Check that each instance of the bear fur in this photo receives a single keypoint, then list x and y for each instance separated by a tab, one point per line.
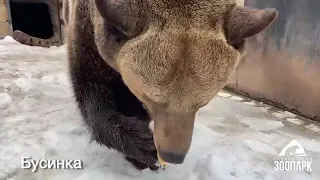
131	62
114	116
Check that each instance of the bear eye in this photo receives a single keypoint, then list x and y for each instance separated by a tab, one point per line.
121	16
108	10
116	35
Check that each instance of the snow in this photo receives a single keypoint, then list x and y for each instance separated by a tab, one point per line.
5	100
261	124
252	103
295	121
284	114
39	119
236	98
224	94
313	127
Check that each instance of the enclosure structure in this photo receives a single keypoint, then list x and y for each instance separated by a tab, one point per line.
282	65
34	22
5	27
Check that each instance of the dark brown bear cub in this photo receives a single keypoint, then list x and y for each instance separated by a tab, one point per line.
132	61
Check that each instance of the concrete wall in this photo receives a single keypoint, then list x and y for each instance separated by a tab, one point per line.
5	28
55	8
282	64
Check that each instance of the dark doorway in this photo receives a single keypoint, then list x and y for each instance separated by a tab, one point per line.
33	19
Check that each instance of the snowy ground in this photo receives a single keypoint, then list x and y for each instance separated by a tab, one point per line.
234	138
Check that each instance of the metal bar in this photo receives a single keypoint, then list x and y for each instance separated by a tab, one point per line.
9	17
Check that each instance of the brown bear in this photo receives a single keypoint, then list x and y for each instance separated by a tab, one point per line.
133	61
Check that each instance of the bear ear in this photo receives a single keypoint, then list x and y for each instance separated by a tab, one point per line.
243	22
110	10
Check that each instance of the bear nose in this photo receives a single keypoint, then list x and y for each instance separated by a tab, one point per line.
172	157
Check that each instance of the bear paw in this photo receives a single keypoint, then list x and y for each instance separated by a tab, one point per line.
139	147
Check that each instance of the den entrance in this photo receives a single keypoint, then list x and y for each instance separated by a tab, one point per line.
33	19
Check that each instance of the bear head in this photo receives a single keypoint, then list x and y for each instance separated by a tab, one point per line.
175	56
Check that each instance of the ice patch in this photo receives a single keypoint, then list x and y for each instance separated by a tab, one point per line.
261	124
